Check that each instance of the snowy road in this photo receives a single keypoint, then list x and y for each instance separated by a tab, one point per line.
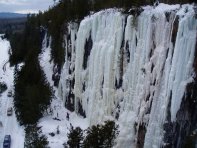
10	124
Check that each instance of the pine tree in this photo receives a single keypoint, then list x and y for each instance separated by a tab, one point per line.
34	137
109	132
75	137
101	136
93	138
32	93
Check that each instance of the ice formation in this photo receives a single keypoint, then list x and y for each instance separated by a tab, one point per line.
130	68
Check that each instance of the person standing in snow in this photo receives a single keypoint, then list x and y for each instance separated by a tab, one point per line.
58	131
67	116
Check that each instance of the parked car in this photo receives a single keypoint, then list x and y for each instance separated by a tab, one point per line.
9	111
7	141
9	93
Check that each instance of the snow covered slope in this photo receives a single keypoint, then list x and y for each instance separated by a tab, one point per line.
130	68
58	117
10	125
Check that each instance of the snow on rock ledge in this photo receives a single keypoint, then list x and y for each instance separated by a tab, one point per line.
130	69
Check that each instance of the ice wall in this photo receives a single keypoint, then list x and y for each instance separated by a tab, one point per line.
67	81
130	68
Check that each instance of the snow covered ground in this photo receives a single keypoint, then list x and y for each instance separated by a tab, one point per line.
48	123
58	118
10	124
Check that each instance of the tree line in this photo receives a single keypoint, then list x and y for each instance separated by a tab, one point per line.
56	18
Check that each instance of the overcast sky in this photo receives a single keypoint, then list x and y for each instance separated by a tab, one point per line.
24	6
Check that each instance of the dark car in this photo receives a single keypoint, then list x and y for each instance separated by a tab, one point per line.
9	93
7	141
9	111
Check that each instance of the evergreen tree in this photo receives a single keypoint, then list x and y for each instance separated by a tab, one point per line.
97	136
34	137
94	137
109	132
75	137
32	93
101	136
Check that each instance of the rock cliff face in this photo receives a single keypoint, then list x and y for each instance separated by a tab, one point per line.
137	69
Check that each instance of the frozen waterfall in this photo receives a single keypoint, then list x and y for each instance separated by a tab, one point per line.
130	68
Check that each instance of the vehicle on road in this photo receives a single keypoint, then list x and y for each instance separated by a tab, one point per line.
7	141
9	111
9	93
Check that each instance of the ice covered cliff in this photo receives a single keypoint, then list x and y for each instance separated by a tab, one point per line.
133	68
